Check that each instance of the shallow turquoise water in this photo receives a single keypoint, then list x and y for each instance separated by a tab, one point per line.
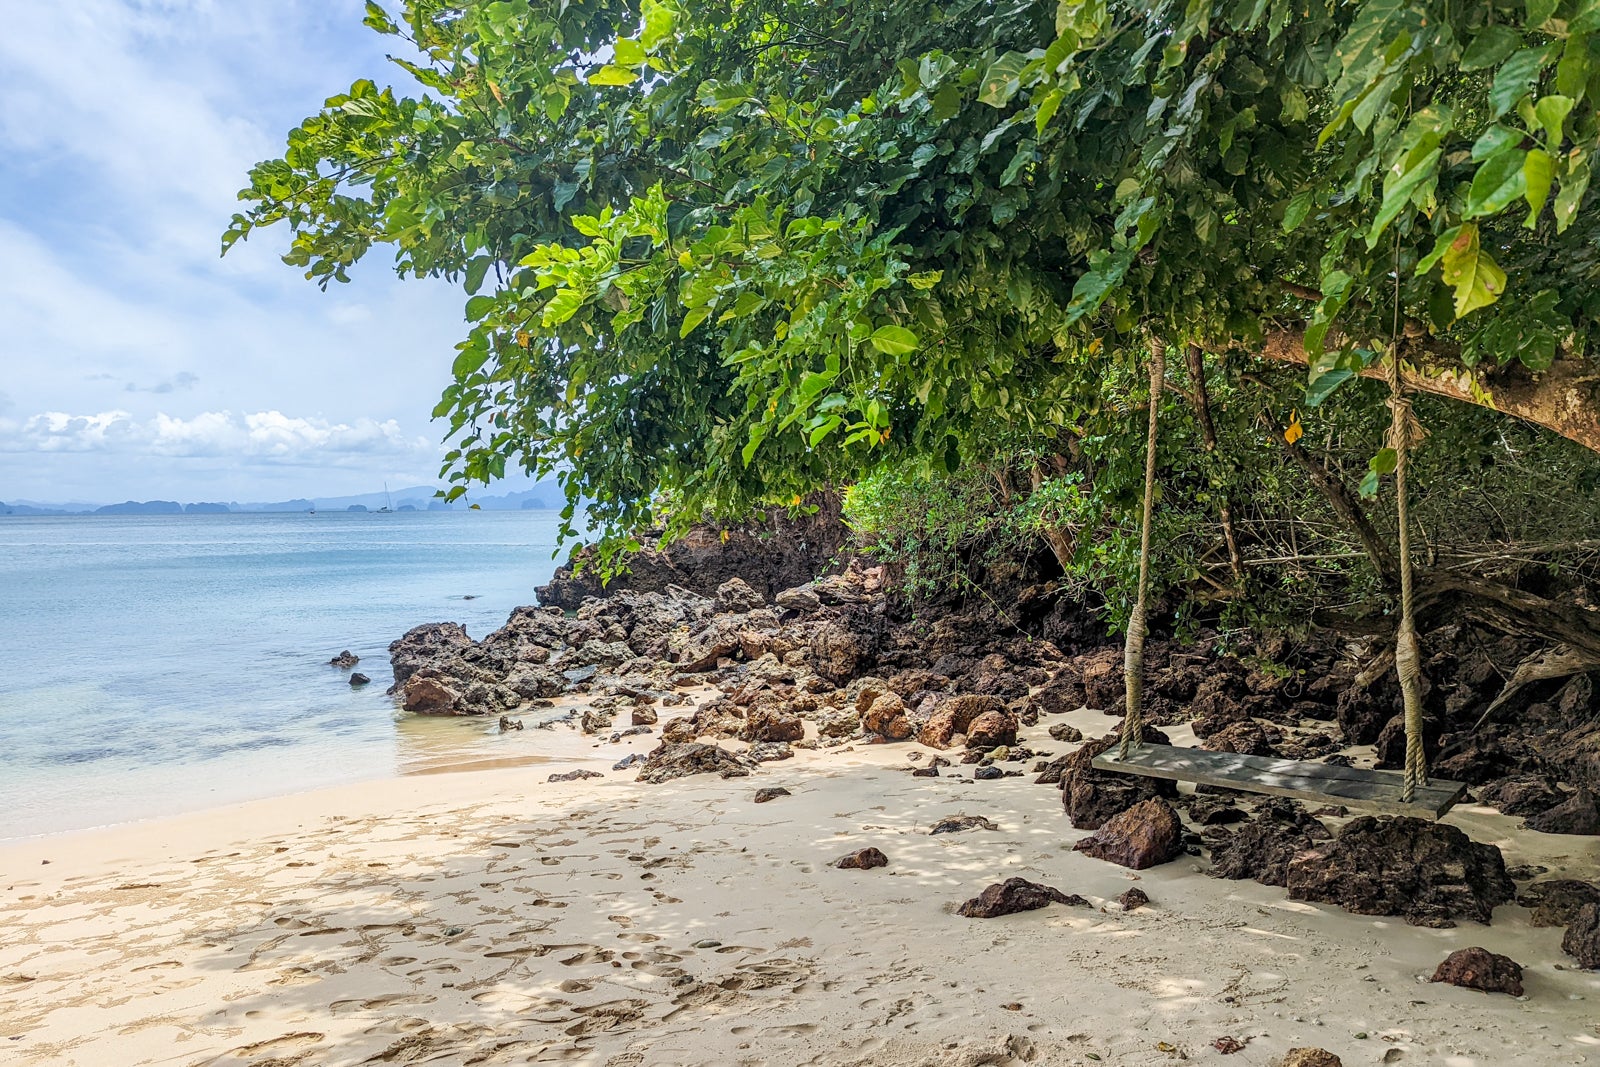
151	665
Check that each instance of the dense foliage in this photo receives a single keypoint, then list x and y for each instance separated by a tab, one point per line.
729	252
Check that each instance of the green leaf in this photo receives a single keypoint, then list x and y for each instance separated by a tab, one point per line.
1295	212
1384	462
1572	72
1498	182
1048	104
1513	80
628	53
478	307
1573	185
1323	385
660	22
475	272
1539	12
1369	485
612	74
1538	172
758	433
1477	279
694	317
1494	140
1002	80
1551	113
469	360
894	340
1398	189
562	307
925	279
1493	44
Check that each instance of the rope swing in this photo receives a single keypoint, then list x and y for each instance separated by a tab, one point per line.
1133	649
1404	433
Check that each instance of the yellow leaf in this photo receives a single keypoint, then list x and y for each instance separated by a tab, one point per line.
523	338
796	500
1294	431
724	536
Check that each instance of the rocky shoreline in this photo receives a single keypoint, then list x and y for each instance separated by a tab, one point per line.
730	676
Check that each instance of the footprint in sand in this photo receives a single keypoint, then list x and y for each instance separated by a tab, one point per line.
278	1048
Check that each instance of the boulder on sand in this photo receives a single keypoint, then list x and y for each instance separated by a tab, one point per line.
1147	834
1582	939
1428	873
1014	895
1478	968
427	695
1092	796
668	761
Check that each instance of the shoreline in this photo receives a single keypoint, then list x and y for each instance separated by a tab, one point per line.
494	917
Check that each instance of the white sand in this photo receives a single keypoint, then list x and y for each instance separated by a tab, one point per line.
488	917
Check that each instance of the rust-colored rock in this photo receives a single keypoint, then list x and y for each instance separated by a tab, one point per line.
769	723
887	717
1133	898
1014	895
1478	968
862	859
991	729
956	715
1147	834
430	696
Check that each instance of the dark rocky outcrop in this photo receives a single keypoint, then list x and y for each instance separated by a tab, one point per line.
1478	968
770	793
574	776
1582	939
1578	814
357	679
1133	899
1428	873
1263	849
435	644
1557	901
1521	794
345	660
428	695
668	761
1091	796
952	824
1014	895
1145	835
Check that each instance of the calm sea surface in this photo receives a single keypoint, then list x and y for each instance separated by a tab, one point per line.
152	665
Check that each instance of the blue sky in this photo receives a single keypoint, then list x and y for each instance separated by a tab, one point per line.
134	362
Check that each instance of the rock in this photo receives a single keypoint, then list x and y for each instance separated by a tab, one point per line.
633	759
838	651
992	728
345	659
1361	714
668	761
1014	895
838	722
952	824
735	595
508	723
770	752
574	776
800	600
1207	810
1390	748
1145	835
1103	682
1228	1045
862	859
632	731
987	774
1090	797
771	793
1065	732
1522	794
643	715
1578	814
1526	872
1247	738
767	722
427	695
1264	849
1133	898
886	717
1478	968
358	679
1582	939
596	720
1557	901
1310	1057
436	644
718	640
1429	873
955	715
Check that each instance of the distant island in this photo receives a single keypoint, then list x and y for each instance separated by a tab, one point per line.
412	499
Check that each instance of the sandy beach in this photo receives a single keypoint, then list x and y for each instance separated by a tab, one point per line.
489	916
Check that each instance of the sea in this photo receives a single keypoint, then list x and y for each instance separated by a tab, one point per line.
152	665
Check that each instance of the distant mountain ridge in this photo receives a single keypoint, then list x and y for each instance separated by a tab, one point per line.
412	498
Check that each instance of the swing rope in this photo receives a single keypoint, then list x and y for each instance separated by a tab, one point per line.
1133	648
1404	433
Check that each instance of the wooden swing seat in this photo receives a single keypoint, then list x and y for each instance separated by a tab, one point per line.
1350	786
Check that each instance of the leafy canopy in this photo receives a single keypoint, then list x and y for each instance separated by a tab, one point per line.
727	252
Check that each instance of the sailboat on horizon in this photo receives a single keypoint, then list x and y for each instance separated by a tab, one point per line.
388	501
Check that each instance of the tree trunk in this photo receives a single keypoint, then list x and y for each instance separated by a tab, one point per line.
1562	399
1348	508
1208	435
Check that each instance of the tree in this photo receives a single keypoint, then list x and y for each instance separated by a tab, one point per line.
733	251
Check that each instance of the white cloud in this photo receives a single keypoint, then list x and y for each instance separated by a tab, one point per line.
257	437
